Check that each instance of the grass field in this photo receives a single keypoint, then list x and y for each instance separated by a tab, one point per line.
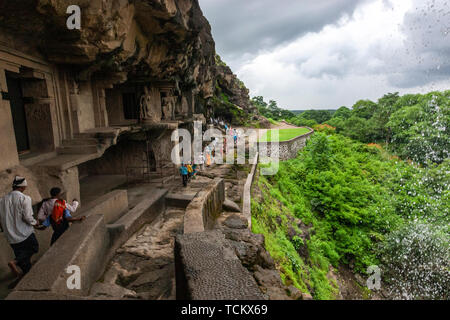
285	134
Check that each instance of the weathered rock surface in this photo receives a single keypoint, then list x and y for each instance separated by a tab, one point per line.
143	268
208	269
232	86
250	250
231	206
143	40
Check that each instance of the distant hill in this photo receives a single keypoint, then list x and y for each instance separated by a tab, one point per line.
297	112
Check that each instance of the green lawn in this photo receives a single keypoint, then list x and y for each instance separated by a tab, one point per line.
285	134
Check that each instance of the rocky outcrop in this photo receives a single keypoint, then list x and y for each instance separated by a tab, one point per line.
250	250
145	40
231	206
231	85
231	100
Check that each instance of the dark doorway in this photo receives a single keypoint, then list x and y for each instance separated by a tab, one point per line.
130	106
18	112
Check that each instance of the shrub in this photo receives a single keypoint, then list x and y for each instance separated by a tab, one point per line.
416	261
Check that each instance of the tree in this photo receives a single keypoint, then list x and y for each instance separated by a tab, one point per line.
387	105
319	116
343	112
259	102
364	109
421	132
416	262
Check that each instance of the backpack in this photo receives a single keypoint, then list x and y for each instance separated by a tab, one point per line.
57	216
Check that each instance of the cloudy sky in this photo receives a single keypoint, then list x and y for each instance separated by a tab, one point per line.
320	54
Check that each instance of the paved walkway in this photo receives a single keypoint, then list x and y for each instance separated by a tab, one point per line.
144	268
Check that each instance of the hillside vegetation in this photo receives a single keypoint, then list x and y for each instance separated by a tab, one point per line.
347	201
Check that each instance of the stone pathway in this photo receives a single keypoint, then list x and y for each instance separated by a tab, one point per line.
143	268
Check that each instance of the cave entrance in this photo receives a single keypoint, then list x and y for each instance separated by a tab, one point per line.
130	106
31	112
130	161
17	104
122	104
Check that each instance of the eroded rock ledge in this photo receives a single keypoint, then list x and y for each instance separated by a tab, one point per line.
147	40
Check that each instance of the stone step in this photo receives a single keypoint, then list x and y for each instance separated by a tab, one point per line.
167	180
81	142
100	133
77	149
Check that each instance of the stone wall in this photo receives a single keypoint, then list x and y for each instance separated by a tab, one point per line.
247	201
89	245
208	269
205	208
287	149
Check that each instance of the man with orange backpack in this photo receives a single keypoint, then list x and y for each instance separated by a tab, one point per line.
56	212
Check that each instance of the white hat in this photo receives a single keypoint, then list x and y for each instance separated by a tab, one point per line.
20	182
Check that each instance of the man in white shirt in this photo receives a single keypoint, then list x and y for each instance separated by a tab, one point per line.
17	222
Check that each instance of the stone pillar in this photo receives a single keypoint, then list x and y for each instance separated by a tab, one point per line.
8	148
100	113
81	101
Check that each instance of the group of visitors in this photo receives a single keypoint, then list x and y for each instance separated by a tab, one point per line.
188	172
18	223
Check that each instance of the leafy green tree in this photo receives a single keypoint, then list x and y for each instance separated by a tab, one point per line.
319	116
387	105
320	152
364	109
416	262
356	128
343	112
302	122
421	132
271	109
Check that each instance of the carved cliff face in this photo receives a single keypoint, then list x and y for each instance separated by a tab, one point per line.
138	40
148	39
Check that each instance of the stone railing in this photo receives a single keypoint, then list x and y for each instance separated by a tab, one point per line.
287	149
247	203
206	265
204	209
89	246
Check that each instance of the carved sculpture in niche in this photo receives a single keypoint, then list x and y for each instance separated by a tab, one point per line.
168	105
148	110
184	107
36	112
75	89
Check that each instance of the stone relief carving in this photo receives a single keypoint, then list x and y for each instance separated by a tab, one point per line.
168	105
148	109
37	112
75	89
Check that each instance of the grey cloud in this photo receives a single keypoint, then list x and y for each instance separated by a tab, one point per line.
246	27
426	58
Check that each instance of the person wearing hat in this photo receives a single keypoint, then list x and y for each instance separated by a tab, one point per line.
17	223
56	211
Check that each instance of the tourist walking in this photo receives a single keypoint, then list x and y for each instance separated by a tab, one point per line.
208	156
17	223
184	174
202	161
56	211
190	171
